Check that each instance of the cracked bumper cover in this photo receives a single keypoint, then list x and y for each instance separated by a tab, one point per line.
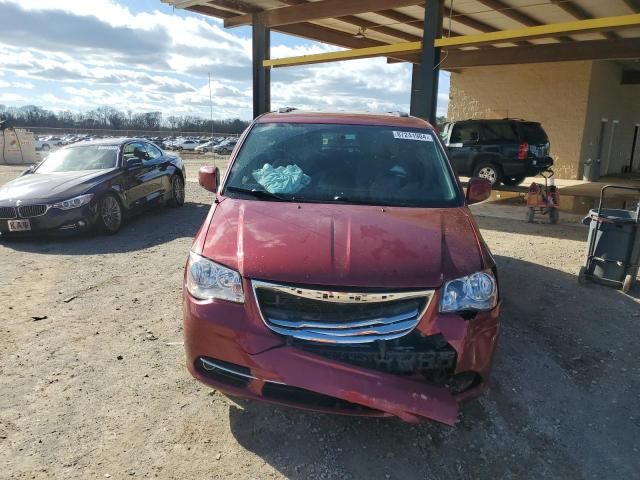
233	333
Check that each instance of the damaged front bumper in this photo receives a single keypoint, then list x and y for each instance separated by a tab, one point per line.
229	348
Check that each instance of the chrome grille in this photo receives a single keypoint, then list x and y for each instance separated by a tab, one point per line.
30	211
7	213
339	317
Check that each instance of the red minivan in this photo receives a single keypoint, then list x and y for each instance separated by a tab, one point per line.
339	269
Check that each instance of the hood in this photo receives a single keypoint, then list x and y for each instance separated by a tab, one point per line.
343	245
49	187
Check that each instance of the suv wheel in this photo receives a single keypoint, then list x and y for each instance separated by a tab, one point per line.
513	181
488	171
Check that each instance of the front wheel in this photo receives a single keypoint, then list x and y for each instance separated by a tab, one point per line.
46	147
513	181
110	214
554	215
488	171
177	191
531	214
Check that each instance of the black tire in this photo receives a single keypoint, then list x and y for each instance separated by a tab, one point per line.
554	215
180	149
110	214
488	170
531	214
513	181
46	147
629	280
177	192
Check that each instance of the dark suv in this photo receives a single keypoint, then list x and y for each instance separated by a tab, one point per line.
502	151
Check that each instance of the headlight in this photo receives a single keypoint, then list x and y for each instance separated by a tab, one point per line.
478	291
207	280
73	202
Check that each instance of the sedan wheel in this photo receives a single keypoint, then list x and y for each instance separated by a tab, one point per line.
110	215
46	147
177	190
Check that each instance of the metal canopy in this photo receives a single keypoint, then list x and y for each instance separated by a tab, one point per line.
355	24
473	32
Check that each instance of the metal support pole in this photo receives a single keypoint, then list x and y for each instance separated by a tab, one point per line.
261	42
633	146
424	81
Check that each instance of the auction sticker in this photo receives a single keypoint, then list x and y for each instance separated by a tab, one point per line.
421	137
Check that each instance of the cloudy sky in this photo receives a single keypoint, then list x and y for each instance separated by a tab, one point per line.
142	55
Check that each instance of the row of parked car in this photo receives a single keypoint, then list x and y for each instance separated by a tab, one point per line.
219	145
222	146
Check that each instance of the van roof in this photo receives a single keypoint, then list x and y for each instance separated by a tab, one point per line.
342	118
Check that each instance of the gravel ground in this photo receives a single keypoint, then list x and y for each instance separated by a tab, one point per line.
99	389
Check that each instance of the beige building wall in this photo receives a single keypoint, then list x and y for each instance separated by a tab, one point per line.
618	103
554	94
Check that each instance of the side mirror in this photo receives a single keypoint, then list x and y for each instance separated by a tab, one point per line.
209	178
478	190
134	163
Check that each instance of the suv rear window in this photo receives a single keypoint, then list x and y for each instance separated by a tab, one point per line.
533	133
326	163
499	132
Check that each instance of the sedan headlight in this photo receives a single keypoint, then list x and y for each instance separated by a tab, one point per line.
478	291
207	280
74	202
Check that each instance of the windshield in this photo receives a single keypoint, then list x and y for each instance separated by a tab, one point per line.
374	165
91	157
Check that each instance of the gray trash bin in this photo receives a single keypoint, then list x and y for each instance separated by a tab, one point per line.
613	246
591	170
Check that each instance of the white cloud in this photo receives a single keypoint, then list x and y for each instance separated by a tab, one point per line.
80	54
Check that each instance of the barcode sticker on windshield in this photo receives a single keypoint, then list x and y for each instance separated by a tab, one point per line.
421	137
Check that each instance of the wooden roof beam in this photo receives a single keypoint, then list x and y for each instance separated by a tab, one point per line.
303	30
317	11
603	24
406	48
516	15
579	13
619	49
458	17
366	24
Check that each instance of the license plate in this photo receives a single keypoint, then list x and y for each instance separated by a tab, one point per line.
19	225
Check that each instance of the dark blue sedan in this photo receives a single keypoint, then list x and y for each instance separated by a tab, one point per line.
91	185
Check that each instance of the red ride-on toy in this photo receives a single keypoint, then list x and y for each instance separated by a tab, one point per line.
544	199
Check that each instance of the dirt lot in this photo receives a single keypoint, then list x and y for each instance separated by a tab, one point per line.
99	389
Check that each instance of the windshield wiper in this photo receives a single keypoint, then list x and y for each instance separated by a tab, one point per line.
259	194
